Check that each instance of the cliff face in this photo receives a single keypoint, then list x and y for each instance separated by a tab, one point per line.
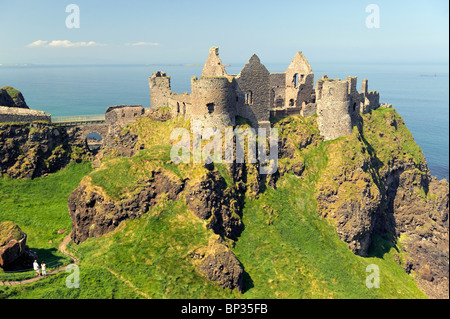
94	213
377	183
374	186
32	150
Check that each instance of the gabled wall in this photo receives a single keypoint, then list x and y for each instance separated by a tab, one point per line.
254	83
299	81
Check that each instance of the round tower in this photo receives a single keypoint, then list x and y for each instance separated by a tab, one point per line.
213	101
333	109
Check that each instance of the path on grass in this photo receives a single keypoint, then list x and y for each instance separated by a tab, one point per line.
129	283
62	248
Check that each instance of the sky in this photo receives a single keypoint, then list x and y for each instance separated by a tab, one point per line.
182	31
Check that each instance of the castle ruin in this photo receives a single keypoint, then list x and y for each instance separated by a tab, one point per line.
255	94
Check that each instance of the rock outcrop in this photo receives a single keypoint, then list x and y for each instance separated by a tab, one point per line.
93	213
11	97
14	253
32	150
211	199
348	194
419	205
218	263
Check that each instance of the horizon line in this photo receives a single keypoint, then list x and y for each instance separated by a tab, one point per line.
193	64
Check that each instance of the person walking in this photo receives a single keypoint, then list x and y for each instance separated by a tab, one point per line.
36	268
44	269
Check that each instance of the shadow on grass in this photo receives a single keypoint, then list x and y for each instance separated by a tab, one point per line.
247	281
381	246
51	257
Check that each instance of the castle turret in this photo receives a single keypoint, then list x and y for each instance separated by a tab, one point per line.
333	107
213	101
160	90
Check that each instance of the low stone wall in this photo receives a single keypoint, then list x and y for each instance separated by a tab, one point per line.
13	114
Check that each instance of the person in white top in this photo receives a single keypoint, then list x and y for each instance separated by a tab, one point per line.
44	269
36	267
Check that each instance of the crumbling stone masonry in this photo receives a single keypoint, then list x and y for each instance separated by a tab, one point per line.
256	94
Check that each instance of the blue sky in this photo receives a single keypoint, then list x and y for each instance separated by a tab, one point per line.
181	31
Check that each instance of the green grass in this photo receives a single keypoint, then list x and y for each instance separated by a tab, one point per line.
95	283
120	176
386	132
11	91
299	254
39	207
153	252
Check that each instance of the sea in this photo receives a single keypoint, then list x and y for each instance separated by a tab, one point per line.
419	92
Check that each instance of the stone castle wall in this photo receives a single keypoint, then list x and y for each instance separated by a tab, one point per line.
254	84
123	115
13	114
277	82
299	82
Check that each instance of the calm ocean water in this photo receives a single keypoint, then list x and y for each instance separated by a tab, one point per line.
419	92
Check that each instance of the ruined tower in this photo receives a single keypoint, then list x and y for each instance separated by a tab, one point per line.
213	96
160	90
354	100
333	105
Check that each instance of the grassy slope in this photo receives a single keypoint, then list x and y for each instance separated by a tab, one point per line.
39	208
287	250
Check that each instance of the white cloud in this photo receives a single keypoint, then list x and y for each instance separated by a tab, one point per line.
142	43
68	44
38	43
63	44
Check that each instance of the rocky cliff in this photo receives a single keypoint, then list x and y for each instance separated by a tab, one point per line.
374	186
377	183
29	150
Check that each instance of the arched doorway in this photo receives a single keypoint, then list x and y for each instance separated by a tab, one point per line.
94	142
